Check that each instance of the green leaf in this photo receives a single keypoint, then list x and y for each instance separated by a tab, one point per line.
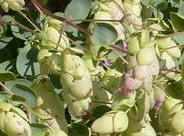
44	89
175	89
179	38
26	65
78	9
104	34
77	129
7	18
7	76
177	21
4	42
38	129
181	9
4	96
27	93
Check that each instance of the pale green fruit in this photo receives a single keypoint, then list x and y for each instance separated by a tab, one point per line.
103	124
4	106
177	125
14	125
115	9
57	132
19	112
147	84
73	65
146	56
168	104
144	38
175	109
132	60
80	107
170	63
43	53
53	36
133	45
155	67
120	122
54	22
4	6
102	15
174	51
164	42
164	116
141	72
116	121
47	62
131	83
81	88
16	5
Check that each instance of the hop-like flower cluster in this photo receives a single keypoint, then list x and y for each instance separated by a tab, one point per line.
13	121
15	5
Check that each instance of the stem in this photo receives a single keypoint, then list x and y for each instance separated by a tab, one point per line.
6	89
19	25
29	21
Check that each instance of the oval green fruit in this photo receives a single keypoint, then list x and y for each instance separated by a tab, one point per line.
133	45
14	125
146	56
177	122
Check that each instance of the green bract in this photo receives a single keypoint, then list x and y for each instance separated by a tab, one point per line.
115	121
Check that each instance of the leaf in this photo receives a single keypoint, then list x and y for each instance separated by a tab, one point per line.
179	38
104	34
25	82
27	93
77	129
45	91
7	76
38	129
7	18
4	96
181	9
78	9
175	89
26	65
4	42
177	21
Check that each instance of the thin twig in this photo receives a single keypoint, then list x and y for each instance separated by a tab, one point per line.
6	89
